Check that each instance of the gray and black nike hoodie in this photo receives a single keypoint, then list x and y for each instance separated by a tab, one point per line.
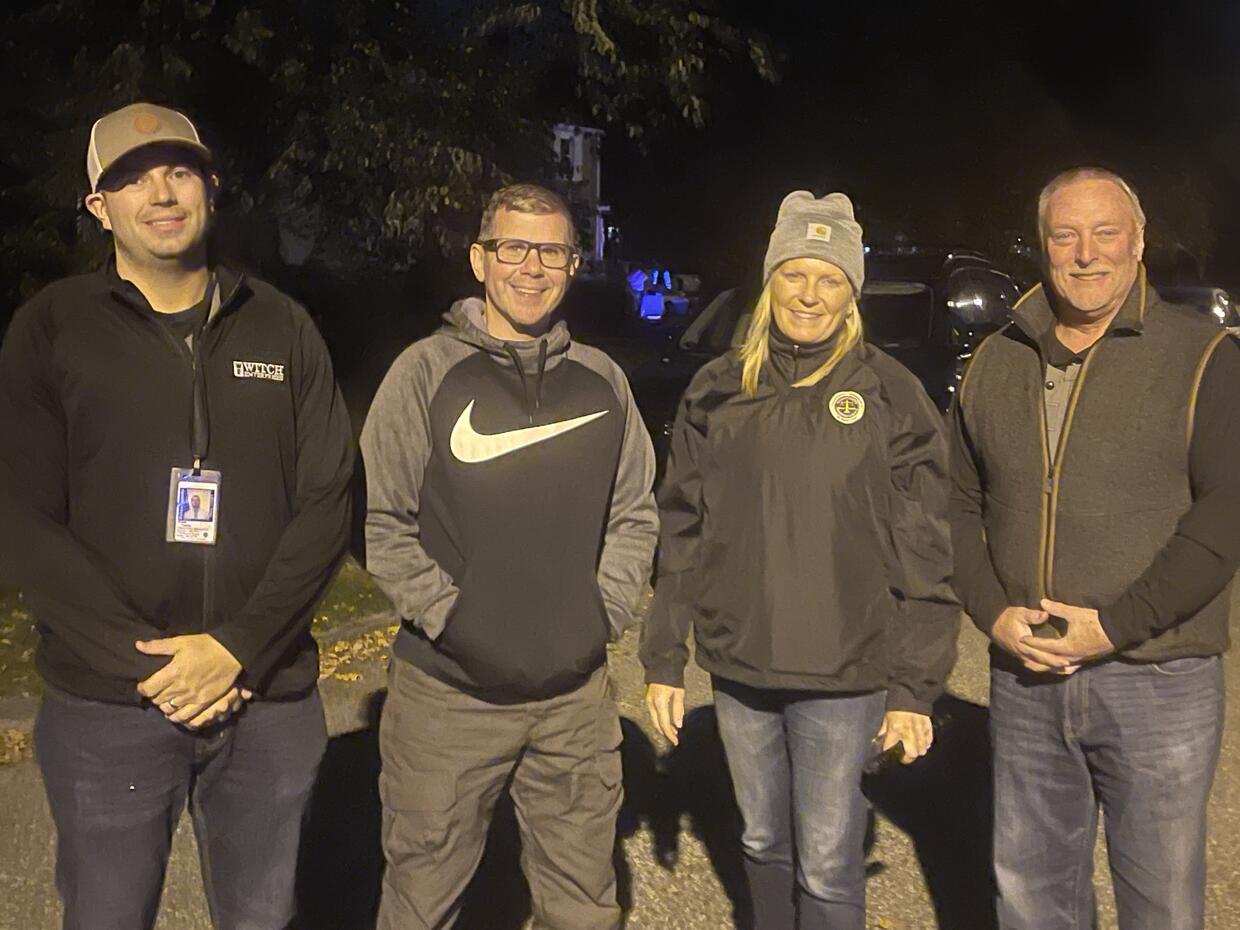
510	516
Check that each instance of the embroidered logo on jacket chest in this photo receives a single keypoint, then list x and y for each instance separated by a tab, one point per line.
847	406
263	371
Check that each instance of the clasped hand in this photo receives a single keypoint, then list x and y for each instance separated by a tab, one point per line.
1084	640
198	685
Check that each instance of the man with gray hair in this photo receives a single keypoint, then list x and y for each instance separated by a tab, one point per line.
1094	516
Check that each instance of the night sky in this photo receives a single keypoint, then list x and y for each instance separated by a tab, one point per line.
943	120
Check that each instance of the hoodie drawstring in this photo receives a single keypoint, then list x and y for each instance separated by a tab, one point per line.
542	367
525	385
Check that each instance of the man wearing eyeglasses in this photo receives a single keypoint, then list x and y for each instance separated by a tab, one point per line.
510	520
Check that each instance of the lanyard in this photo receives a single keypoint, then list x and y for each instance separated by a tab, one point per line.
200	426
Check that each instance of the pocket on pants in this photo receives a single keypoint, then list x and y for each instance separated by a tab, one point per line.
1185	666
418	809
608	737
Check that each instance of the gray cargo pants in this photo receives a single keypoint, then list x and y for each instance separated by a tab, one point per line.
446	757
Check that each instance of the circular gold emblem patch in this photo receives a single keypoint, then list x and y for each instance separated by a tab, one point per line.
146	123
847	406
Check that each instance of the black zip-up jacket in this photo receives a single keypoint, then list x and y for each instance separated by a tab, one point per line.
95	411
509	513
1136	513
807	550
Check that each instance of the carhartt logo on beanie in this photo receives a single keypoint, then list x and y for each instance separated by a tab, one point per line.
812	227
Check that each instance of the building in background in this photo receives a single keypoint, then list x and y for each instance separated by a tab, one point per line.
578	152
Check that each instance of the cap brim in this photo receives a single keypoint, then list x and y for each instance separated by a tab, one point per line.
197	148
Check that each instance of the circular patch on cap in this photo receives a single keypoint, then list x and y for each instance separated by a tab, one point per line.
847	406
146	123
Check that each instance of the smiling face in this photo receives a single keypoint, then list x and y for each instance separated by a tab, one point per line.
1093	246
809	298
156	202
520	298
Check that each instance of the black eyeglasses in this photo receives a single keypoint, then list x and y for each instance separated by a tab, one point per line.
553	255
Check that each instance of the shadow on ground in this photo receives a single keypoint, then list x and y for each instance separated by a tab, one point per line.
341	861
943	803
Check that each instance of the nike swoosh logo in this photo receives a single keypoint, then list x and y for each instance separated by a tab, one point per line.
470	446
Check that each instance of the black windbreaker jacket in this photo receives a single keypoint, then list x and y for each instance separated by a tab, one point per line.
804	535
95	410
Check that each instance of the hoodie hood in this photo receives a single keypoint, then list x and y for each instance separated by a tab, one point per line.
530	358
466	321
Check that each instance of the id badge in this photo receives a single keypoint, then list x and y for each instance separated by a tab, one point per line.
193	506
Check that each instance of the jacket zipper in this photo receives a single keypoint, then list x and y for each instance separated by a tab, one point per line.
1050	491
197	356
194	353
180	351
1047	490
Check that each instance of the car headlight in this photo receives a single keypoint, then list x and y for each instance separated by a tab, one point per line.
1221	305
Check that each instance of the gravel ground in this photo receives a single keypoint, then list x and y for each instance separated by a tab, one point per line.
929	867
928	861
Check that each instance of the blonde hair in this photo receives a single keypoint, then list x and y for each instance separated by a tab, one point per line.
757	346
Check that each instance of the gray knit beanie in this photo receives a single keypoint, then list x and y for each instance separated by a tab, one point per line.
809	227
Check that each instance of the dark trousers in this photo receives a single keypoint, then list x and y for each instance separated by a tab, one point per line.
118	778
446	758
1141	742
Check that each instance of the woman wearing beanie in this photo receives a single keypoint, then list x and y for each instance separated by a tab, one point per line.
804	541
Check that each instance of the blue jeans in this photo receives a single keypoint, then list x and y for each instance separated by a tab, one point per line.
1142	741
796	761
117	779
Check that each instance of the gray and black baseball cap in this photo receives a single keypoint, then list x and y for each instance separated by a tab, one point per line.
133	127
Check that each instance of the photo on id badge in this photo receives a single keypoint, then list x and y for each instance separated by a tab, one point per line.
193	506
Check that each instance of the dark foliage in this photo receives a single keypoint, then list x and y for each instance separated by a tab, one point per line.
354	133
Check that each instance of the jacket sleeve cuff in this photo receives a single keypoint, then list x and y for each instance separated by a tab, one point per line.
244	648
901	698
985	613
671	673
1121	624
434	619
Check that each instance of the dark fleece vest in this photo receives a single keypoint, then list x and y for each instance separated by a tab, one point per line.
1083	529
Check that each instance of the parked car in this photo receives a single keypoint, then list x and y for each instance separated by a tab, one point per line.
600	313
927	307
1213	301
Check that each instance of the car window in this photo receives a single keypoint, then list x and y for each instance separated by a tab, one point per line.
896	313
713	330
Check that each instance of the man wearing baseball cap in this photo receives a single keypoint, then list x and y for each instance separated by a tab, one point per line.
176	652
